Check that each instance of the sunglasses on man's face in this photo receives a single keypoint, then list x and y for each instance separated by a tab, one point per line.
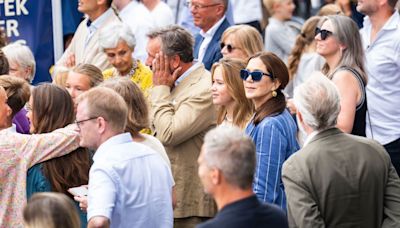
255	75
324	33
229	47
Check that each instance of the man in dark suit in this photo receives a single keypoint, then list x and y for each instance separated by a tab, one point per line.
226	169
209	16
337	179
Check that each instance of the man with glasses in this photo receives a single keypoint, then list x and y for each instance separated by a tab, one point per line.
129	183
209	16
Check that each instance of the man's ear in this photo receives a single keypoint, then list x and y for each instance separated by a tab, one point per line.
175	61
101	124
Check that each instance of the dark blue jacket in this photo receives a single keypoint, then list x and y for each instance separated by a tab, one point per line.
213	51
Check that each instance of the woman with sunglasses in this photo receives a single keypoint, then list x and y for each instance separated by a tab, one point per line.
228	93
342	49
241	41
52	108
272	127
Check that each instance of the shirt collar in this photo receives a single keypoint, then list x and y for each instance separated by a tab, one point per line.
187	73
390	24
212	30
12	129
310	137
115	140
100	20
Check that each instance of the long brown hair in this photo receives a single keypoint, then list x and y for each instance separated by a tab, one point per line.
303	40
278	69
53	108
243	107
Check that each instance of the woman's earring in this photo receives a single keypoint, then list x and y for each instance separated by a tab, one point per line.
274	93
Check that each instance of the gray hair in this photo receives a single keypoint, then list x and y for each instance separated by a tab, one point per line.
175	40
21	54
318	101
110	35
228	149
346	32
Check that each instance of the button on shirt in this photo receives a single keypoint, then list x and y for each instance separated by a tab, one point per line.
130	184
383	88
207	38
94	25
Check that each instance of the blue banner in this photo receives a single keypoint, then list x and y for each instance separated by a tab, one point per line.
31	20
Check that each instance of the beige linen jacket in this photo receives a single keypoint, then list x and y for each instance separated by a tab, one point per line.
91	54
341	180
181	119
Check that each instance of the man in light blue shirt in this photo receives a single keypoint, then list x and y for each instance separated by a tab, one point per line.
130	185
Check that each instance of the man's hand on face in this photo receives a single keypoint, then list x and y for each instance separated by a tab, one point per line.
162	74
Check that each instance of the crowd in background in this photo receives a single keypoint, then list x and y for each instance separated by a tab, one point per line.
206	113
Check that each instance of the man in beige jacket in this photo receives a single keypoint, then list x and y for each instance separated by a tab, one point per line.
337	179
182	112
84	47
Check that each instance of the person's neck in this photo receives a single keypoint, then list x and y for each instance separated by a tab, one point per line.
121	4
185	67
258	102
210	25
228	194
332	62
151	4
229	111
106	136
96	14
128	70
378	20
279	17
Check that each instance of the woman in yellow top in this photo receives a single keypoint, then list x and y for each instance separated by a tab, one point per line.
118	43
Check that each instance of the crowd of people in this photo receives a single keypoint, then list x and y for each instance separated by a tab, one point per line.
214	122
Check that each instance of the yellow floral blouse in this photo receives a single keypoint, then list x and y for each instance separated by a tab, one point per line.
142	76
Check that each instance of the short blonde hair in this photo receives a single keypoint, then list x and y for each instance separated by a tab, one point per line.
247	38
269	5
51	210
108	104
330	9
60	75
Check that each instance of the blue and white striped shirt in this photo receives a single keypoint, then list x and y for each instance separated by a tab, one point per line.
275	140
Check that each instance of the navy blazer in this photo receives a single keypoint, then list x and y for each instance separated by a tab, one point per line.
213	51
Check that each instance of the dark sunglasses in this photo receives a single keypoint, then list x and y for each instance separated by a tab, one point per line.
255	75
229	47
324	33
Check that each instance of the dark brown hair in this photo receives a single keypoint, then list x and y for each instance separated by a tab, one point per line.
278	69
4	65
53	108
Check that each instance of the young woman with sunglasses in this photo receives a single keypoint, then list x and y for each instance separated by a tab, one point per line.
52	108
342	49
228	93
272	127
241	41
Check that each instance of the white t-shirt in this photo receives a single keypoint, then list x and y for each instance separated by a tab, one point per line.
162	15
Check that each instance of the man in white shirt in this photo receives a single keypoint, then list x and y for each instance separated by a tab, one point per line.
84	47
130	185
139	20
209	16
381	40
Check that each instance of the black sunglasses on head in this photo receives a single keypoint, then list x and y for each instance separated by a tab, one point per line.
255	75
229	47
324	33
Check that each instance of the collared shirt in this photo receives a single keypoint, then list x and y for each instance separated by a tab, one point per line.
18	153
207	38
187	73
130	184
96	24
383	88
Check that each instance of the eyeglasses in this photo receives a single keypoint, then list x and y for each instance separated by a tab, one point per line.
196	6
255	75
324	33
78	123
229	47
